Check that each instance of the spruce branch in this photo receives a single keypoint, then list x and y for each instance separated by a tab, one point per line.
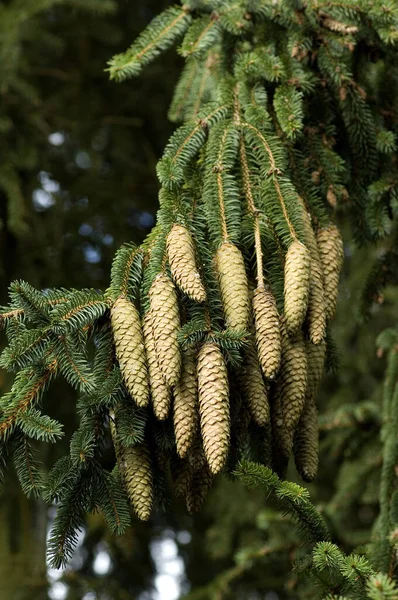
160	34
293	498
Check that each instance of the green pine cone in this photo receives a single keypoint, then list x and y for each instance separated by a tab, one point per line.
290	391
233	285
306	437
185	407
160	392
306	442
253	387
213	405
297	286
268	334
331	252
130	350
316	315
139	480
181	255
165	326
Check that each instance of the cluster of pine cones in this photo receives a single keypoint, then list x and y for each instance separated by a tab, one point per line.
276	382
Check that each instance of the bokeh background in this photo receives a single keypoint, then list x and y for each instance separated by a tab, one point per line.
77	179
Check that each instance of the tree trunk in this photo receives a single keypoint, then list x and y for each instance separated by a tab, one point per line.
23	526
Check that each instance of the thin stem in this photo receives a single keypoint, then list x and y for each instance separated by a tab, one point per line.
273	171
152	43
253	211
218	168
390	458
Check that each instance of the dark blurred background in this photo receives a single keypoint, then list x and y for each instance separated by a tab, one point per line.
77	179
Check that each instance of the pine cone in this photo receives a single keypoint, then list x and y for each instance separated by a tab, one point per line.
165	326
200	484
160	392
268	335
297	286
316	360
253	387
316	315
182	473
267	446
130	350
331	254
282	441
213	405
181	255
240	427
138	479
233	286
185	413
306	442
290	390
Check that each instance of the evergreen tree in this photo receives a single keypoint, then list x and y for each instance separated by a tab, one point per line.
206	351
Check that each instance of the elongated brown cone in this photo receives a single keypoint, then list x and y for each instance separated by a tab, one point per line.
135	470
200	484
316	360
241	424
185	408
253	387
281	438
233	285
139	479
306	442
306	437
182	473
160	392
290	392
297	286
331	253
181	255
316	315
267	446
165	326
130	350
213	405
268	334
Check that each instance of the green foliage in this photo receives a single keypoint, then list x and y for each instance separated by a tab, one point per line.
292	498
300	88
161	34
